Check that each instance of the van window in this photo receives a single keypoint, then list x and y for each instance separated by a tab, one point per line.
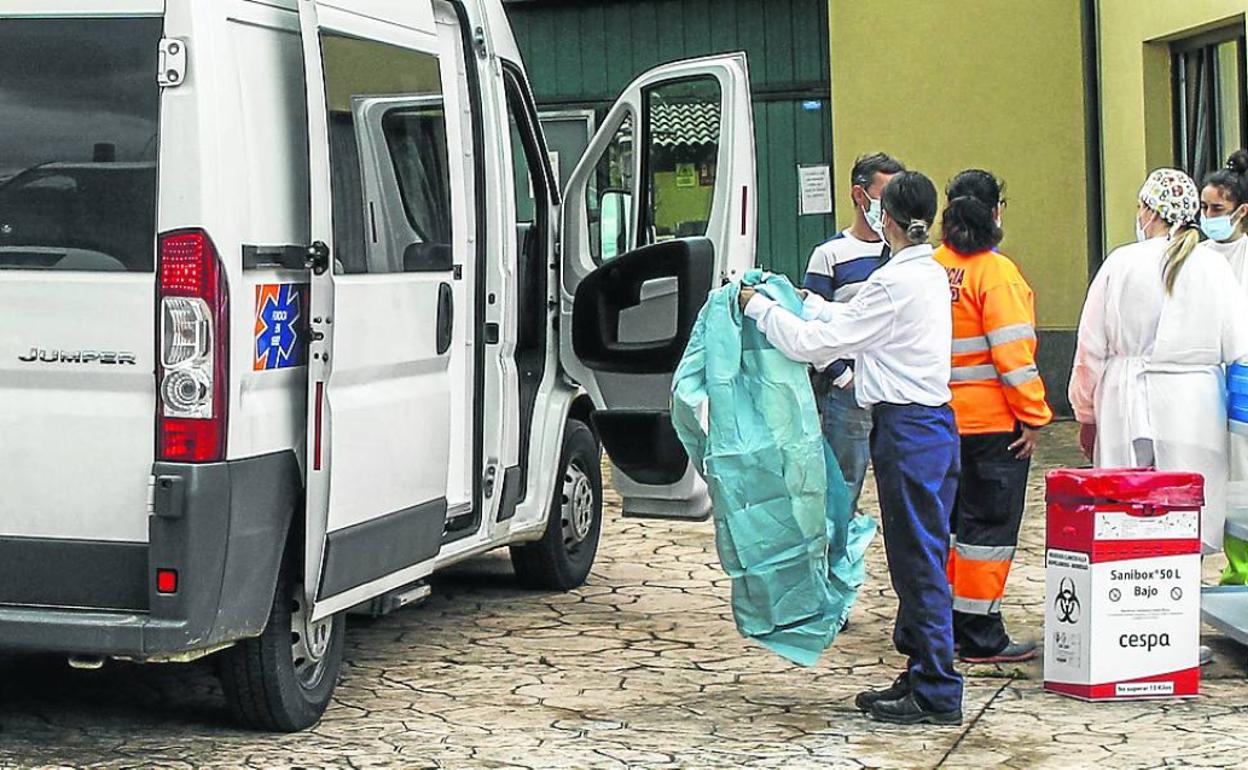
683	126
79	112
532	200
416	138
608	205
389	164
522	172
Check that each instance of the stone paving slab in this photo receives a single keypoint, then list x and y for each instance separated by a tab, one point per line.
641	668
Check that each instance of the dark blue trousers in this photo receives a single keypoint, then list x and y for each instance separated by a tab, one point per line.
915	453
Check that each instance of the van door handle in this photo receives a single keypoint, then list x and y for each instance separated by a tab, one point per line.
318	258
446	317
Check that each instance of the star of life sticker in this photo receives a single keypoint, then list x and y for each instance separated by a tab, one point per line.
280	323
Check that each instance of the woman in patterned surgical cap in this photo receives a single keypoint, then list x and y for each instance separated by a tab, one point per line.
1161	320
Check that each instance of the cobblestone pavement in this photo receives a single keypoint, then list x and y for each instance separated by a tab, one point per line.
640	668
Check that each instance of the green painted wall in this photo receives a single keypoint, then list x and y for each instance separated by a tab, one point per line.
997	84
1136	99
583	54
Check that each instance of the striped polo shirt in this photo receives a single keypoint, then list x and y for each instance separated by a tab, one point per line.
838	268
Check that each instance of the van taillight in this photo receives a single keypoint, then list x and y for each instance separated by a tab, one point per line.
192	359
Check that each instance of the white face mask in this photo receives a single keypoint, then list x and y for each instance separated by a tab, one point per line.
872	214
875	217
1141	233
879	226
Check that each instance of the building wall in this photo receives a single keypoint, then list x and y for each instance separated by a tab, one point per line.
581	54
963	83
997	84
1136	99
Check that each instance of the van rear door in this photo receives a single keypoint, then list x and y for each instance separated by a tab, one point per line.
79	116
660	211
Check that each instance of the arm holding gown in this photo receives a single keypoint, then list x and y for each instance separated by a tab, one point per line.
835	330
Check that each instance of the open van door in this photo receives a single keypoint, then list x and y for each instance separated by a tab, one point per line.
660	211
382	301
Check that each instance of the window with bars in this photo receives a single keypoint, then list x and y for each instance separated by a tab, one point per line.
1210	112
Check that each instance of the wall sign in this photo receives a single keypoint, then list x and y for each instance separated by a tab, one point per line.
686	175
815	183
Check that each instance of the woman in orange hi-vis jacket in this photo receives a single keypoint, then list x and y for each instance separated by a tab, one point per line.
999	401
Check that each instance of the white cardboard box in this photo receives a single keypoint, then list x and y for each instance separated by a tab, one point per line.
1122	584
1122	629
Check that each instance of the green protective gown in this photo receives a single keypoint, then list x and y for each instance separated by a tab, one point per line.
783	526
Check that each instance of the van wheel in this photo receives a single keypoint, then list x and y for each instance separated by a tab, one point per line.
561	560
283	679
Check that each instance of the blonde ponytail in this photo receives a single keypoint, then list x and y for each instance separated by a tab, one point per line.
1182	244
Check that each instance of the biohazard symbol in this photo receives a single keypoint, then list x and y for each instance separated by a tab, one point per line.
1067	603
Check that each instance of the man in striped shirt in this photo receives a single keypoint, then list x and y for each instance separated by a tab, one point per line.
837	269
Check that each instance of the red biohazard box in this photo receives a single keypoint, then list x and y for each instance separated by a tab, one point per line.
1122	580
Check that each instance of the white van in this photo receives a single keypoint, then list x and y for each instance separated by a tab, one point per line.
292	316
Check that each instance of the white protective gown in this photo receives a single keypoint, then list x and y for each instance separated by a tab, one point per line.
1150	365
1236	254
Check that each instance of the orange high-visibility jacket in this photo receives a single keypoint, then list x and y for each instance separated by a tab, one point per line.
995	381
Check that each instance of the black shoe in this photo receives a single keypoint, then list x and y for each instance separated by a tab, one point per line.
844	625
907	711
1014	652
898	689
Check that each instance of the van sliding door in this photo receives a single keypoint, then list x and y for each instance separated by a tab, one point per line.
382	302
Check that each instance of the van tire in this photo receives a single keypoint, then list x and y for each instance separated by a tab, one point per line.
561	560
263	686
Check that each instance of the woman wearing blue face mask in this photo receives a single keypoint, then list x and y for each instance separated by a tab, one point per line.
1224	220
1224	212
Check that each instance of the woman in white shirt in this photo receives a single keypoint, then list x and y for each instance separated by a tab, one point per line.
898	330
1161	320
1224	221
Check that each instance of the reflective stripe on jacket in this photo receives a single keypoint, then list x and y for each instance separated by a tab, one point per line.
995	381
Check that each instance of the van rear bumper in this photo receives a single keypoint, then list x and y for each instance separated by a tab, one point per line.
87	632
223	528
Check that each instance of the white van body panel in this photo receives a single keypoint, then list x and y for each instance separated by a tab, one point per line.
230	135
501	403
462	367
265	122
414	14
76	445
500	40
